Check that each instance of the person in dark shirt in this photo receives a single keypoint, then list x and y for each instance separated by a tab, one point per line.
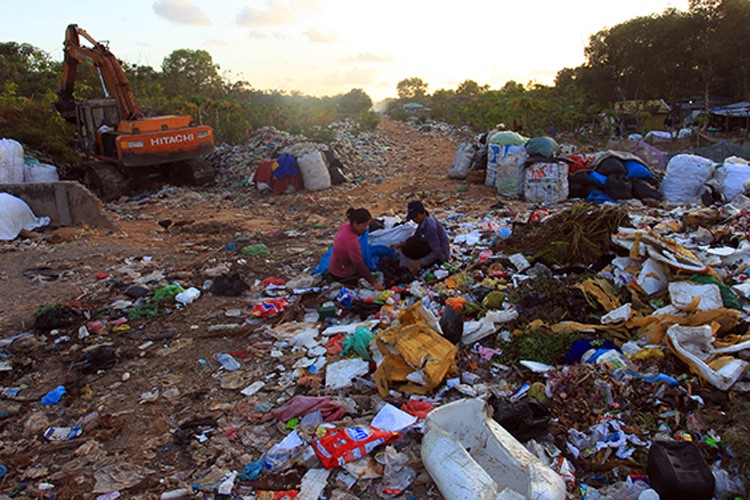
430	243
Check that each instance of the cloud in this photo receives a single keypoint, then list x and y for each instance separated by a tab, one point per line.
369	57
318	36
276	13
181	12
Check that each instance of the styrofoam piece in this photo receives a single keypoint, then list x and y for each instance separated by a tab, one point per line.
619	315
348	329
683	295
693	345
469	455
653	277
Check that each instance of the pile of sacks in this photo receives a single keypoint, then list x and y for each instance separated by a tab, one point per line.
542	171
612	176
16	168
690	178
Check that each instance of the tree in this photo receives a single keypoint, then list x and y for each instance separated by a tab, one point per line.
411	88
353	102
26	70
187	72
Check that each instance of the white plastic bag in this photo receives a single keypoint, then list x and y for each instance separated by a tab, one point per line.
461	161
11	161
16	215
314	171
393	235
40	172
685	177
736	175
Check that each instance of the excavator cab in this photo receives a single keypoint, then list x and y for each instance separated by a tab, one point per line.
96	126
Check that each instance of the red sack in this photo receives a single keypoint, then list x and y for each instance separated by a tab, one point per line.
341	446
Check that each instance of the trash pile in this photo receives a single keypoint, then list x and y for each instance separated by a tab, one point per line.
285	163
581	350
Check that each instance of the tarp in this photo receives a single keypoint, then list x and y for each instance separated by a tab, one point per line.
736	110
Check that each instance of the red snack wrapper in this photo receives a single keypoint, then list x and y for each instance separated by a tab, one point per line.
341	446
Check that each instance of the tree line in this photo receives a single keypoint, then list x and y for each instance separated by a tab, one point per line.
674	56
188	82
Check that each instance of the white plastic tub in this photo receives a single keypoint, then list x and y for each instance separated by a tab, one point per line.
470	456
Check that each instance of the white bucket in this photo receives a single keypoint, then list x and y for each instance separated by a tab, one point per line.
469	455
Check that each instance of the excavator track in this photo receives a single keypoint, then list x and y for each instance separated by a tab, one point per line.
106	180
197	172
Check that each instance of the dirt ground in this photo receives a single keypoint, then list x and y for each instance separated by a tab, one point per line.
89	268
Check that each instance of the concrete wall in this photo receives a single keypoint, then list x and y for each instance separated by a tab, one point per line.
66	202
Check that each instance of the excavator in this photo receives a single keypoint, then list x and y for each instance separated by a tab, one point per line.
129	147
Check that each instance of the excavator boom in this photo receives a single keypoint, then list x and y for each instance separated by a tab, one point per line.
114	83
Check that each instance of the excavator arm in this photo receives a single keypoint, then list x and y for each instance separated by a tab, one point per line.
110	72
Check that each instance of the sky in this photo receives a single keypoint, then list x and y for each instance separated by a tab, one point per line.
328	47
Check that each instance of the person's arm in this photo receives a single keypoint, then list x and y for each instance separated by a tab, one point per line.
433	240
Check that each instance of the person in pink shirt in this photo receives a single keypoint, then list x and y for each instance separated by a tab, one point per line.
347	263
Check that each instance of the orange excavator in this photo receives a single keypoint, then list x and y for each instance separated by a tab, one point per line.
129	146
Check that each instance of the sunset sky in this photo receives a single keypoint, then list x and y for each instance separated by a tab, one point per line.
328	47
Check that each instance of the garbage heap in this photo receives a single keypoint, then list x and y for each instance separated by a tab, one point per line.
541	171
587	352
314	166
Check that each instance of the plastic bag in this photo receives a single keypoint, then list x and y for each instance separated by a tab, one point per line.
40	172
16	215
359	341
461	161
684	179
314	171
11	161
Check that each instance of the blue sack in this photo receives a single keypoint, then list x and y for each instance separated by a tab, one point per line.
597	179
597	196
637	170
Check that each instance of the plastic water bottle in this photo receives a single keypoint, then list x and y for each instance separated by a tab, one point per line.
188	296
228	362
54	396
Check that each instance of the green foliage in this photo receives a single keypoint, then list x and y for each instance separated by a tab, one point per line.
411	88
34	124
367	121
354	102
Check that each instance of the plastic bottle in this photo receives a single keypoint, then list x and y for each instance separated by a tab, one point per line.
54	396
62	433
188	296
228	362
180	493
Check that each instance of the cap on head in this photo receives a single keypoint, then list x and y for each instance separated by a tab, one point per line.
415	208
